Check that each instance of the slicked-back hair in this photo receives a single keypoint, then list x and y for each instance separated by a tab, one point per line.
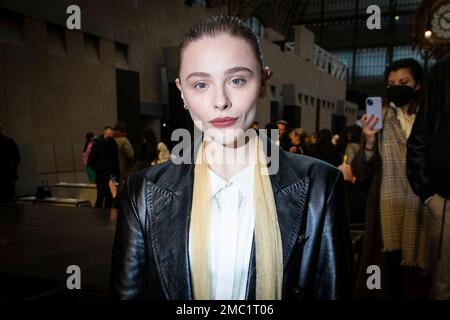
217	25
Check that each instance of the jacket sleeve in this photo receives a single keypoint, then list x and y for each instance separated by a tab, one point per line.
128	257
115	160
93	157
417	147
129	151
334	279
362	169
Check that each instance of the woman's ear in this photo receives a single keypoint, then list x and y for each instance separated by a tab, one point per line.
266	74
178	83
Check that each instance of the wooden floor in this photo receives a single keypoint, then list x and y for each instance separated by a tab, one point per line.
38	243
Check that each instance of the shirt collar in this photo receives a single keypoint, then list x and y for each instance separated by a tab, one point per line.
242	180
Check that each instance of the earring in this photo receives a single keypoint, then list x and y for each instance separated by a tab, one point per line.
184	106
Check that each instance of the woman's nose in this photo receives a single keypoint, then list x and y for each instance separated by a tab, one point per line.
222	101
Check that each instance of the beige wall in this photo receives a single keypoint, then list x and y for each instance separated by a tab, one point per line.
50	98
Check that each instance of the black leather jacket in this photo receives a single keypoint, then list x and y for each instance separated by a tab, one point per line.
428	155
150	255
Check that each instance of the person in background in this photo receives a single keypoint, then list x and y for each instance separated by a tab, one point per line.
150	147
428	171
284	141
298	143
9	162
356	191
325	150
349	147
336	140
104	159
90	141
125	150
396	233
312	142
163	154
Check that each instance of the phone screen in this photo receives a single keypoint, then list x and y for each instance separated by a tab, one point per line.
374	107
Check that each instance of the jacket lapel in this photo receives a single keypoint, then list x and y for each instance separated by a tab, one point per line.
290	202
169	228
169	206
290	193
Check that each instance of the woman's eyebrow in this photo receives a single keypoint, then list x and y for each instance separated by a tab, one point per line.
227	72
198	74
238	69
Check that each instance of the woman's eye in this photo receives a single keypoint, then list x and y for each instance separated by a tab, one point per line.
238	82
200	85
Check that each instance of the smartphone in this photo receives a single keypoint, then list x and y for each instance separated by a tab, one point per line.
374	105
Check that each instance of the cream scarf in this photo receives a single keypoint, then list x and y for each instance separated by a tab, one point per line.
268	247
404	219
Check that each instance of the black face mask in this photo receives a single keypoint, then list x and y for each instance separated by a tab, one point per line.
401	95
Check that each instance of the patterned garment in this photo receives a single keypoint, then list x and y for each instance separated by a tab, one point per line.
404	219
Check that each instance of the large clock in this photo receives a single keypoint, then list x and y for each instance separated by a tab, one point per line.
434	15
440	22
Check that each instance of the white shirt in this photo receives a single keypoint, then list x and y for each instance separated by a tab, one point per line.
406	120
231	234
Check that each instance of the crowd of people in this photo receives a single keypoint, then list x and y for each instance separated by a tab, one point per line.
397	181
397	178
110	158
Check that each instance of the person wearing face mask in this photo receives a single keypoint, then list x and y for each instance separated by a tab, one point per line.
396	236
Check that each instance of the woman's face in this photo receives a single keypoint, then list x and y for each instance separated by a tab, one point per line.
402	77
220	83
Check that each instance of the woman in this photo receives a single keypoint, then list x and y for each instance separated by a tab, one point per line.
163	154
396	220
210	229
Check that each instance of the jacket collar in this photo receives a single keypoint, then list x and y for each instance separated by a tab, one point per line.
169	205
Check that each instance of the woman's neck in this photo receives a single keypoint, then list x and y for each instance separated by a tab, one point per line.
227	161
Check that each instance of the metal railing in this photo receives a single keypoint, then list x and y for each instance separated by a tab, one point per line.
325	61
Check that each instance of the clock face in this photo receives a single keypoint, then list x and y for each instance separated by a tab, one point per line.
441	22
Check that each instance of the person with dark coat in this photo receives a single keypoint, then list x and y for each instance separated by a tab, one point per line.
428	170
9	161
284	141
104	159
150	147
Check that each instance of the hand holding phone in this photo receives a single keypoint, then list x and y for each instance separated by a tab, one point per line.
372	121
374	107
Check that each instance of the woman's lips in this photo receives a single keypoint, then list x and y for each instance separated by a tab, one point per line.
223	122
